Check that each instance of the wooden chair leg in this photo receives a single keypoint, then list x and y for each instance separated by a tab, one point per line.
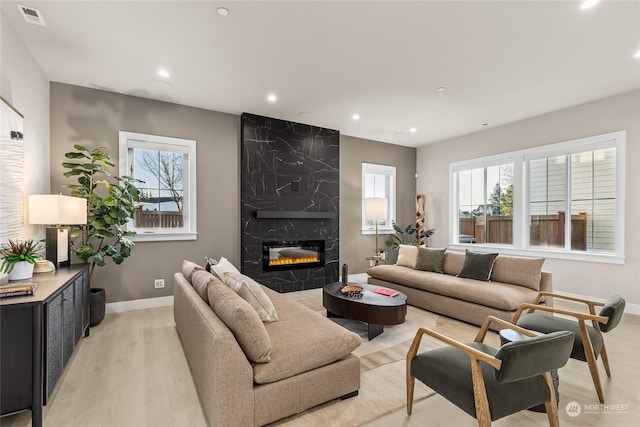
605	360
410	386
591	361
551	407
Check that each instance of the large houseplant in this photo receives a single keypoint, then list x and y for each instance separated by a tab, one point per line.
110	205
19	257
401	237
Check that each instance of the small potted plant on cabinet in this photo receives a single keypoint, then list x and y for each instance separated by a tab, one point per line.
110	205
19	258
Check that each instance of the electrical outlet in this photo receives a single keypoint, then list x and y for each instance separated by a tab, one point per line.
158	283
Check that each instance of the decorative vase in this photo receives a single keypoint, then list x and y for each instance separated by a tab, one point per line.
97	304
21	270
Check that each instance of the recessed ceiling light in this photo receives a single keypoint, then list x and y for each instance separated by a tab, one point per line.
223	11
413	130
442	89
484	124
588	4
356	117
637	55
163	73
272	98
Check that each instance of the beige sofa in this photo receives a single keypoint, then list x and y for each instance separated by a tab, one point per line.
514	280
309	357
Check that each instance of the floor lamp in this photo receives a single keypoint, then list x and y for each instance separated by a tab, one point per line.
376	209
57	210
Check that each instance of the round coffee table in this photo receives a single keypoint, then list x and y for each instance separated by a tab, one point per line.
374	309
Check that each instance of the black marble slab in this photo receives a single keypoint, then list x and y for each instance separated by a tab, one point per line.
289	191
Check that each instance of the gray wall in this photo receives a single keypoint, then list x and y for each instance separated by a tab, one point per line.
93	118
621	112
354	247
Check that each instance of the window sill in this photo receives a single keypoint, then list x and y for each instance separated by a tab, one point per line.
380	231
161	237
542	253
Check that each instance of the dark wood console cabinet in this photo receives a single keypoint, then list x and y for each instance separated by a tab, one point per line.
38	336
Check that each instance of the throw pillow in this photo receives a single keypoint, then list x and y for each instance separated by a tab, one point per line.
243	321
477	266
430	259
208	262
188	267
519	271
201	280
251	292
223	266
407	256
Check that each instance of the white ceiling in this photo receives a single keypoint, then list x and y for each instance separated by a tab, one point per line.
500	61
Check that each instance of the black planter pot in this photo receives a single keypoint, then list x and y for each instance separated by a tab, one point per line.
97	303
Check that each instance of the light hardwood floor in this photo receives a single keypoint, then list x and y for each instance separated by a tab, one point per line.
131	371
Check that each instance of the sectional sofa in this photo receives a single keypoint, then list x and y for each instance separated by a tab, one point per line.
510	282
248	372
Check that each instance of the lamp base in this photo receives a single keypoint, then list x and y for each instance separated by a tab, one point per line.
57	241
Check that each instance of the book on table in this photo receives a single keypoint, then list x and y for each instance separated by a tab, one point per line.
385	292
22	289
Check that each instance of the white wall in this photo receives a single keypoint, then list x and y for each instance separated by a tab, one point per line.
25	86
621	112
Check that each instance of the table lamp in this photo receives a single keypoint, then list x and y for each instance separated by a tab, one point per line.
59	211
376	209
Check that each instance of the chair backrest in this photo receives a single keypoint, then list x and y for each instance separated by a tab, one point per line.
613	309
533	356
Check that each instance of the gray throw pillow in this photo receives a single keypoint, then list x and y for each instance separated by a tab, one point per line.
430	259
477	266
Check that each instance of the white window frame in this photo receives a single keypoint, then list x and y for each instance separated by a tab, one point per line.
521	158
130	140
390	172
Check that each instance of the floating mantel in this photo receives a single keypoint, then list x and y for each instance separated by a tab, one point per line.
295	214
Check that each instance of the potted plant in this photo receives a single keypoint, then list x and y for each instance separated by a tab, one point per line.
19	258
402	236
110	205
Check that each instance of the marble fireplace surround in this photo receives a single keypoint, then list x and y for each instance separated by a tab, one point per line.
289	191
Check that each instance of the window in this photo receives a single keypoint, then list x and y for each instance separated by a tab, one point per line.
565	200
379	181
167	167
485	204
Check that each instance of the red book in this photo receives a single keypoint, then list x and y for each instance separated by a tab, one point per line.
385	292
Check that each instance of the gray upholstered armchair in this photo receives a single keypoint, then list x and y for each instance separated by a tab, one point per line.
489	383
589	343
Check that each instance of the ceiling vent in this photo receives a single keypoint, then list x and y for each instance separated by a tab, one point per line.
31	15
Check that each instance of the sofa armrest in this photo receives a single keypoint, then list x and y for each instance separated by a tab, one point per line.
221	372
546	285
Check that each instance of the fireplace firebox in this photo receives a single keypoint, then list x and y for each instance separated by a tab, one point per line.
292	254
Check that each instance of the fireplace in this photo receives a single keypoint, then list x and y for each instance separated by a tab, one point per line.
292	254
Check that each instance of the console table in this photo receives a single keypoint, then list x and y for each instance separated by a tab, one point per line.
38	335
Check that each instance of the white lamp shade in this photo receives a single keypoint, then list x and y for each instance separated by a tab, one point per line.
56	209
375	209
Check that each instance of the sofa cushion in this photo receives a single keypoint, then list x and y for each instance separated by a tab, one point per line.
452	262
243	321
520	271
407	256
223	266
301	340
501	296
201	280
252	292
188	267
477	266
430	259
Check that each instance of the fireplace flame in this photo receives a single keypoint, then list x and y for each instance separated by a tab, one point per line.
296	260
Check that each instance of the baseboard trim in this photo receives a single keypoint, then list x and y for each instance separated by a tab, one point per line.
138	304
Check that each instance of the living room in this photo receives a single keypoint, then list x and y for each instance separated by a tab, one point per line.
61	110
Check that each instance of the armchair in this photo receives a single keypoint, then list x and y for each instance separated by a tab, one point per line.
589	342
489	383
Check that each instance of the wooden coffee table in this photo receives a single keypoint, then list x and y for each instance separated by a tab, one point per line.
374	309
